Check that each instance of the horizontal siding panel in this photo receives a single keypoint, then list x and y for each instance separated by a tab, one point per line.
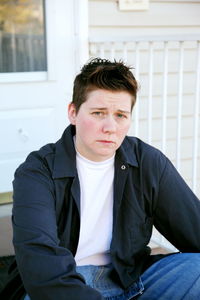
171	128
106	13
156	1
186	151
128	31
188	84
172	106
186	170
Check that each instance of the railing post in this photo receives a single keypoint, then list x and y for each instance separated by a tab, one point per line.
164	104
13	47
112	51
179	113
150	93
196	121
102	50
137	74
125	52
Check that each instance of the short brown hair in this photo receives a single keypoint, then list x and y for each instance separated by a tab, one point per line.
103	74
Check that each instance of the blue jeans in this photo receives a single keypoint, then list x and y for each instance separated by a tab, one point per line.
99	278
175	277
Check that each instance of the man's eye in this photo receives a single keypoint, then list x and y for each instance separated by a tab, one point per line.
98	113
121	116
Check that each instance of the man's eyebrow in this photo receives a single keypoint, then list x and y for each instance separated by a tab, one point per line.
104	108
98	108
123	111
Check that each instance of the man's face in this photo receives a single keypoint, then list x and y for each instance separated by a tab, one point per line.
101	123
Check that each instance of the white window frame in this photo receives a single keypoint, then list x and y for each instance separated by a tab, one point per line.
50	74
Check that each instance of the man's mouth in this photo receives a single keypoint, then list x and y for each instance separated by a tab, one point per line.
106	141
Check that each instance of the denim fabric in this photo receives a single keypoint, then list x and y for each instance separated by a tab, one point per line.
175	277
100	278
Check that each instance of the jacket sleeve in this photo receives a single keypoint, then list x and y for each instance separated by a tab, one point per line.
48	271
177	213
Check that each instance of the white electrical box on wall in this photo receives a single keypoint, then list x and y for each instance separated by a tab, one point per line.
133	4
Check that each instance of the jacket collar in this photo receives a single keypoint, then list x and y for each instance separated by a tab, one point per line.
65	154
127	152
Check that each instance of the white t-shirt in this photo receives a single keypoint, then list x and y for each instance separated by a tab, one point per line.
96	202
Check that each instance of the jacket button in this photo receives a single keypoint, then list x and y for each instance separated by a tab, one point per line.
123	167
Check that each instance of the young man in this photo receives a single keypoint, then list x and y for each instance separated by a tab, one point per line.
84	207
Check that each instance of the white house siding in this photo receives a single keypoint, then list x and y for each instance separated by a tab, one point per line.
164	18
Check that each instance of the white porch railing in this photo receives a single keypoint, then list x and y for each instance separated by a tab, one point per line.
167	111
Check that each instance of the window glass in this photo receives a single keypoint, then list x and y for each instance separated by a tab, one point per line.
22	36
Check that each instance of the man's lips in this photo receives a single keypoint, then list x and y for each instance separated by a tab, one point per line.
106	141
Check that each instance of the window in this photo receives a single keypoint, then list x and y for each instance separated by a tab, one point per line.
22	36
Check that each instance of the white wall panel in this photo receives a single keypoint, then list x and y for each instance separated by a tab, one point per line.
19	137
166	16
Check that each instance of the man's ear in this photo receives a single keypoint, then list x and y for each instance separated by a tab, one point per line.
72	113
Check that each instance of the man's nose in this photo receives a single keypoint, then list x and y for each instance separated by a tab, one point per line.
109	124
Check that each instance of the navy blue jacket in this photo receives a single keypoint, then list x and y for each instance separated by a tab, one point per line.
147	191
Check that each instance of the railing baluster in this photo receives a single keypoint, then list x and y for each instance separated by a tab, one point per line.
29	49
150	93
112	51
93	49
179	112
164	104
102	50
196	120
137	75
125	54
13	53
